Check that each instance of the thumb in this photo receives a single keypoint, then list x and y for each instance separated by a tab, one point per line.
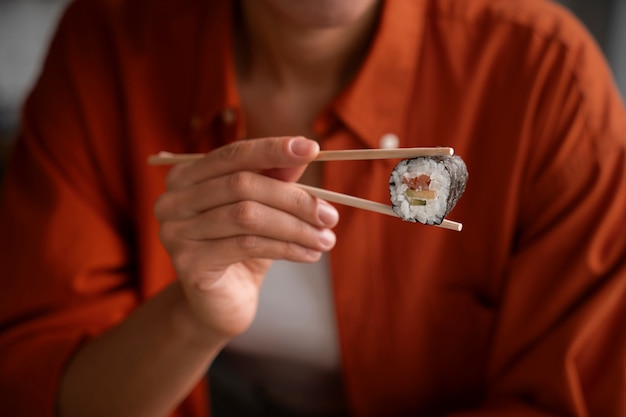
300	147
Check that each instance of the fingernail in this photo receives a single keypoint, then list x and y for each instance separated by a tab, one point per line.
327	214
303	147
327	238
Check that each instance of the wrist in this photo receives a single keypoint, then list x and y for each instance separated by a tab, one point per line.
187	326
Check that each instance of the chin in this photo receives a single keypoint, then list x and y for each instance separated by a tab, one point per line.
321	13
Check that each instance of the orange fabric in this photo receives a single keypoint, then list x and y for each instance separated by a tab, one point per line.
520	314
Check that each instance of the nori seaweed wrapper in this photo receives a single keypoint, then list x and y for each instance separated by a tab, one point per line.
457	171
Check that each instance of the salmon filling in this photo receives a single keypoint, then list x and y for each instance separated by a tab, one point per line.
419	190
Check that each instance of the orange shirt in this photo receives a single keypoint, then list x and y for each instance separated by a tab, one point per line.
520	314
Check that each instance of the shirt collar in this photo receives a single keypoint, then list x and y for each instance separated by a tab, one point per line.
377	101
216	91
373	105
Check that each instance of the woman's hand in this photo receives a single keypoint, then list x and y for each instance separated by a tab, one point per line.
223	218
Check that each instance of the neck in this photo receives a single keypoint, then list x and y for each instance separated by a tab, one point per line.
289	56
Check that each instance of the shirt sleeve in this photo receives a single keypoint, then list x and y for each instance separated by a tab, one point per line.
66	271
559	347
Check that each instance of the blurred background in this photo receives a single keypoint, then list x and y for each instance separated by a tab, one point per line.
26	26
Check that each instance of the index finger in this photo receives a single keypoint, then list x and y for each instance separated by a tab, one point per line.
246	155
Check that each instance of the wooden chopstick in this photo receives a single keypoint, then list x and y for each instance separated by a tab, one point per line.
399	153
361	203
168	158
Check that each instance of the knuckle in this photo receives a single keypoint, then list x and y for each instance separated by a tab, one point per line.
303	234
249	243
296	252
239	182
292	250
278	146
247	214
167	233
302	201
168	206
231	152
301	229
174	177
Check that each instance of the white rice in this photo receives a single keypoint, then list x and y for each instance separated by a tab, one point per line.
434	210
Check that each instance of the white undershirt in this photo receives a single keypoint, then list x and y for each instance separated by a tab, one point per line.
296	317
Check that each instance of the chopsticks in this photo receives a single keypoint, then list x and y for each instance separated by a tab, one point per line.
360	203
168	158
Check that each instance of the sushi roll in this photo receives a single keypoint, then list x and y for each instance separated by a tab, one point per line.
426	189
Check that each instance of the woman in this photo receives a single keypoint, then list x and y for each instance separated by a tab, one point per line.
519	314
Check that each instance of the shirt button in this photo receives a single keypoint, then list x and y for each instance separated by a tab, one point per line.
229	116
389	141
